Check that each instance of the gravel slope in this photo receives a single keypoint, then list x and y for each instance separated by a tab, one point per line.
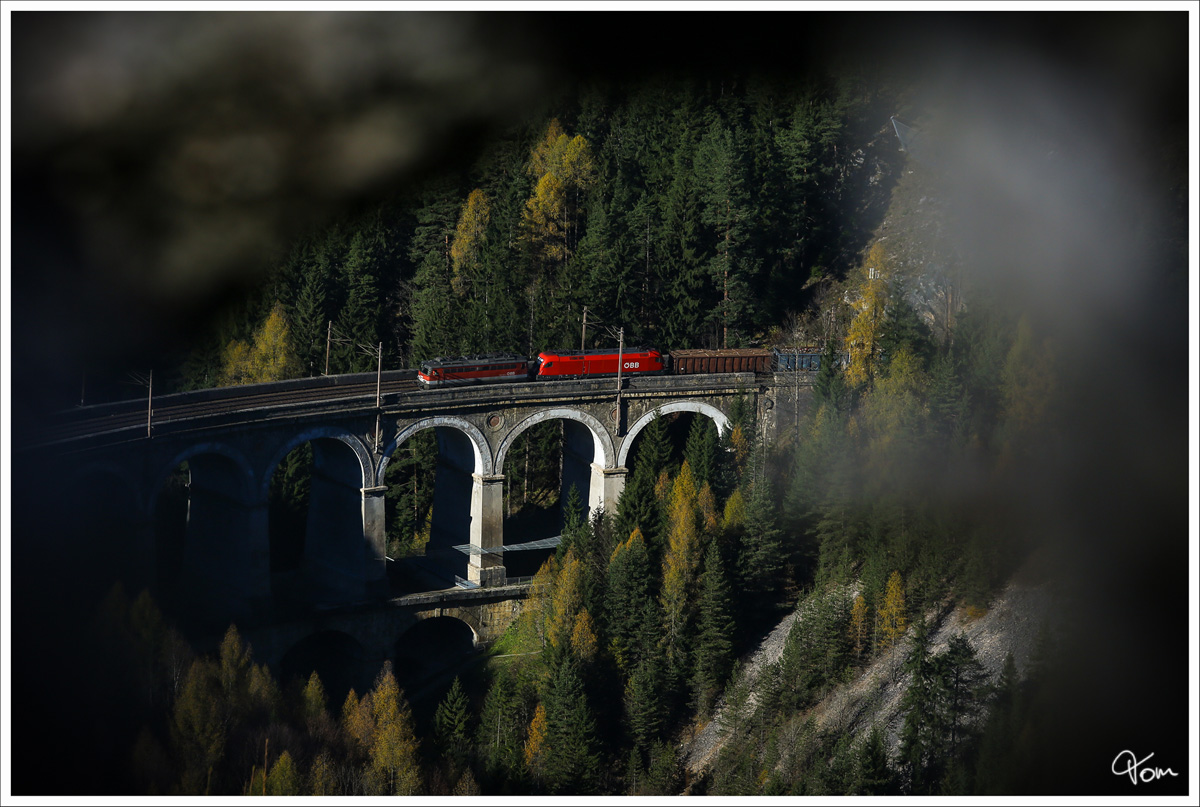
1012	623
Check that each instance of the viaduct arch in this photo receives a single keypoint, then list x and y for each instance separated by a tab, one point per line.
232	454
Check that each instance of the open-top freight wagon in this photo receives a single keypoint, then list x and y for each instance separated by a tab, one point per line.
738	360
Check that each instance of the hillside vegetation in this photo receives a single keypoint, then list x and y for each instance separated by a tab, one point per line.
883	528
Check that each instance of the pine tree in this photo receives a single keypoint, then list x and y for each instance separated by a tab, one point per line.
316	711
284	779
535	742
358	724
268	357
322	779
566	600
199	725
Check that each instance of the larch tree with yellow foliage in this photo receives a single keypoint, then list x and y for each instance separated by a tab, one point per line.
469	238
268	357
394	764
566	600
892	618
563	169
535	741
680	564
863	339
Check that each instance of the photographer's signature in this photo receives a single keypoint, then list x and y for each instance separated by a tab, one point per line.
1128	763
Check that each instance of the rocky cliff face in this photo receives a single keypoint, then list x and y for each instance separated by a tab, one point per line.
1012	624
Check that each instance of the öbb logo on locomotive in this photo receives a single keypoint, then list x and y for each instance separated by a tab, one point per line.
491	368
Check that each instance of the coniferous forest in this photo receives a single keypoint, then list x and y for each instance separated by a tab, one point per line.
996	245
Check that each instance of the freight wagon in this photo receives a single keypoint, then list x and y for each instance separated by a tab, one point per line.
739	360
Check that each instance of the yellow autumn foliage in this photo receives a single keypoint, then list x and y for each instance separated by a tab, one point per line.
858	624
566	599
583	637
735	511
862	339
268	357
893	618
536	737
469	237
707	504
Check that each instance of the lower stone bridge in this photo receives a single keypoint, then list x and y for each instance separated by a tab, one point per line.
353	642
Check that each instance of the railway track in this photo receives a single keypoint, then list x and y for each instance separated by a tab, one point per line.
170	410
127	421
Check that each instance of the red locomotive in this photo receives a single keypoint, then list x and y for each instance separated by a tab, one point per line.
592	363
491	368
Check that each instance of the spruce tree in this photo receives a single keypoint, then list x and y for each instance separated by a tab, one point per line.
715	631
700	451
962	680
923	734
724	212
643	704
451	724
571	760
627	593
501	725
682	262
874	776
760	562
638	509
434	318
309	313
357	321
829	388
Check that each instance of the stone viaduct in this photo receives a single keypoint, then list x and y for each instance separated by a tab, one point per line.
223	569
